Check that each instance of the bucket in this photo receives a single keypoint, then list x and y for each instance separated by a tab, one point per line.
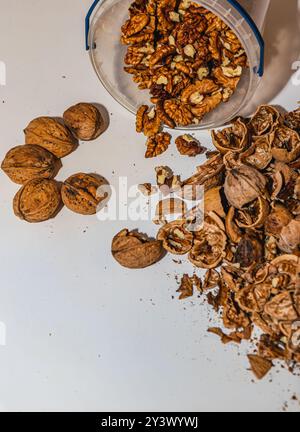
103	30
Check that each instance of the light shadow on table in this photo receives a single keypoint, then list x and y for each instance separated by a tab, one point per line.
282	37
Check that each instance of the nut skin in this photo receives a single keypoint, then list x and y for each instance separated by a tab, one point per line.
80	193
85	121
26	162
133	251
38	200
50	134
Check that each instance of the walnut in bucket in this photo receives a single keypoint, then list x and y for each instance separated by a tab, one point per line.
186	56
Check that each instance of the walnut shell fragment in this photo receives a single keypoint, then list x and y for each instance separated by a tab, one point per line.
26	162
50	134
176	238
38	200
285	145
189	146
260	366
209	243
85	121
243	185
234	138
83	193
132	250
264	120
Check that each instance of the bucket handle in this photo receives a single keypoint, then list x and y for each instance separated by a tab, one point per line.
234	3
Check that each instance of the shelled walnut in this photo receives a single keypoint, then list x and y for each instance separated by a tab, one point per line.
186	56
50	134
26	162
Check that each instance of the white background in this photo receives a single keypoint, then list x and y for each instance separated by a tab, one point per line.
82	333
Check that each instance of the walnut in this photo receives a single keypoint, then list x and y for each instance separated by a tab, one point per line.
166	180
160	54
209	243
135	24
278	218
83	193
85	121
234	138
249	251
292	120
253	215
187	285
176	238
169	207
264	120
147	121
157	144
281	307
163	116
147	189
38	200
26	162
202	88
208	104
259	154
215	201
289	237
260	366
178	112
285	145
50	134
135	251
189	146
243	185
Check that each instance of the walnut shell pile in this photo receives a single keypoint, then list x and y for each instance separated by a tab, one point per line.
248	237
46	141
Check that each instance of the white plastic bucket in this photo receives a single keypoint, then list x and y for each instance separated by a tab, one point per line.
245	17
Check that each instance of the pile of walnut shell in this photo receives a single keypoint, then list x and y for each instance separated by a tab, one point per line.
250	239
36	164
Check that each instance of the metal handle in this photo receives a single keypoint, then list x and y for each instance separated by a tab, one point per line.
87	23
257	33
234	3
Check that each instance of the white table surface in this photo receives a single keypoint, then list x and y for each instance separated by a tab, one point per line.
82	333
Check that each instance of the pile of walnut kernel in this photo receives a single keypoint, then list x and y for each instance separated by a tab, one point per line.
249	242
188	59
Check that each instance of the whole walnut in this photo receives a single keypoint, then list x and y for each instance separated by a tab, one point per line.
134	251
38	200
243	185
85	121
49	133
26	162
81	193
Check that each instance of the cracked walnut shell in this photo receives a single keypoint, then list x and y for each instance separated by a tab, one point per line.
26	162
132	250
85	121
50	134
176	238
83	193
38	200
